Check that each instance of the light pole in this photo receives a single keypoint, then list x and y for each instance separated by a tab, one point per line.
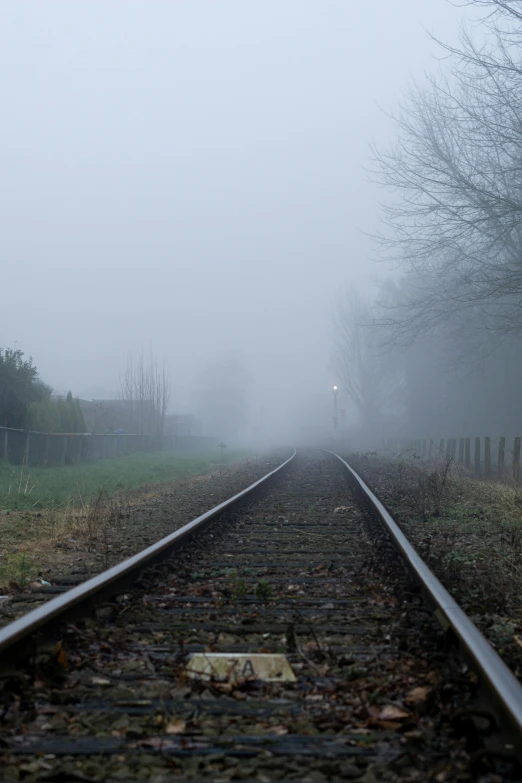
335	392
343	413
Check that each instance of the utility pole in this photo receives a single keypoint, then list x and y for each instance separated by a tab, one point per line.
343	413
335	391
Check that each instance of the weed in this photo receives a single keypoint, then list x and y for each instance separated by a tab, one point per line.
239	589
263	591
17	486
17	568
425	488
502	631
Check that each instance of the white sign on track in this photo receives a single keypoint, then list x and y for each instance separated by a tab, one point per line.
229	667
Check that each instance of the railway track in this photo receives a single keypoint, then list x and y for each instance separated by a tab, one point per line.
118	688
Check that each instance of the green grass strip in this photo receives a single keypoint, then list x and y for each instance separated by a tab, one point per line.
22	489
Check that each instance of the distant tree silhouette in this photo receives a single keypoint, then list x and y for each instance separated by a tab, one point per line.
20	386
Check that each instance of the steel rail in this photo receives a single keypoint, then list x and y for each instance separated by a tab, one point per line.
24	627
500	682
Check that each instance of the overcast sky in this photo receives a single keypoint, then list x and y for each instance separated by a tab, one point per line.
191	175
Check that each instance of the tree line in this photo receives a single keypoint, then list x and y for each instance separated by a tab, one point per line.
141	403
26	402
439	349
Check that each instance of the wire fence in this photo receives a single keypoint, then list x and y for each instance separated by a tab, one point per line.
40	449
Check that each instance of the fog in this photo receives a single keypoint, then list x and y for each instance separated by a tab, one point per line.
192	176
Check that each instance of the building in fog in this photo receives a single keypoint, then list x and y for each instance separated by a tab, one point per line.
182	425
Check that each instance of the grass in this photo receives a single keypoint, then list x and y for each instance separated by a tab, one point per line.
81	516
17	568
23	489
468	531
479	533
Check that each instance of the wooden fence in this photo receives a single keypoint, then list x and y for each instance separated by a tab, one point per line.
484	456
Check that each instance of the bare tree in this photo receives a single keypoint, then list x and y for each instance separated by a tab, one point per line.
145	387
161	392
455	221
369	374
499	11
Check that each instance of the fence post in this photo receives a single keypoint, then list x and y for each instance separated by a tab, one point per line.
6	440
501	457
64	450
441	449
516	459
27	449
467	457
477	456
487	457
46	453
461	451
